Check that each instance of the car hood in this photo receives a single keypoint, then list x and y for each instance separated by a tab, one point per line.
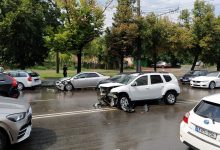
189	76
11	105
107	85
66	78
204	78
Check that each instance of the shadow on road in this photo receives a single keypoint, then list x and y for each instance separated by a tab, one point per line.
40	139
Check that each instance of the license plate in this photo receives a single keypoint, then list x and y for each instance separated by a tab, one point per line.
206	132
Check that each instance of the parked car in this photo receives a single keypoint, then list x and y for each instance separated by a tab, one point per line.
211	81
200	127
163	64
26	79
139	87
8	86
186	78
15	121
81	80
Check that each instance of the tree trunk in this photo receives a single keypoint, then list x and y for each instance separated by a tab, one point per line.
194	62
155	60
121	63
218	66
57	63
79	61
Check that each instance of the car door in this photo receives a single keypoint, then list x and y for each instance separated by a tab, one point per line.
80	81
139	89
93	79
156	86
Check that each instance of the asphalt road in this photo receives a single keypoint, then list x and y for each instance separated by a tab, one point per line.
68	121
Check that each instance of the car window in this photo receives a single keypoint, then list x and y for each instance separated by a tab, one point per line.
2	77
167	78
208	110
13	74
155	79
82	75
92	75
213	74
33	74
22	74
142	81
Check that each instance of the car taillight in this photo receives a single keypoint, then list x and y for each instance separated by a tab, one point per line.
29	78
186	117
14	81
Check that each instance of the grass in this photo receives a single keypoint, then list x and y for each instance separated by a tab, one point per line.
176	71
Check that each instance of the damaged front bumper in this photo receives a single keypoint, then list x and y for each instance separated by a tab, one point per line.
105	98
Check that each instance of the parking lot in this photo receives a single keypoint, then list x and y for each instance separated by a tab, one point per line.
68	120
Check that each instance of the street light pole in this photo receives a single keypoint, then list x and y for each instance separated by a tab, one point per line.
138	63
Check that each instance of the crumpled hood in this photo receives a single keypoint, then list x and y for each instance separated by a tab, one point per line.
107	85
204	78
64	79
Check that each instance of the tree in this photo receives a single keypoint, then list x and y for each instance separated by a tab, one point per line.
201	28
121	37
22	24
84	22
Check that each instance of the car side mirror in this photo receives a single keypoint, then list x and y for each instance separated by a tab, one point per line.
134	83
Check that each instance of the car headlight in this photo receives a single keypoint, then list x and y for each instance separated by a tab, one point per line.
16	117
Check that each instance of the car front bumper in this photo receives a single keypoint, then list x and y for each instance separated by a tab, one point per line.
194	141
199	84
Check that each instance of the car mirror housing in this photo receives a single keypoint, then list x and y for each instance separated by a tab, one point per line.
134	83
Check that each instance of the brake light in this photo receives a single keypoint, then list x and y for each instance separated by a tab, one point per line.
186	117
29	78
14	81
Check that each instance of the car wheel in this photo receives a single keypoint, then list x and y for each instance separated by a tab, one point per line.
20	86
124	102
170	98
3	141
68	87
212	85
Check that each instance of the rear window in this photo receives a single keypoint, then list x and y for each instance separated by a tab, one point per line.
33	74
167	78
208	110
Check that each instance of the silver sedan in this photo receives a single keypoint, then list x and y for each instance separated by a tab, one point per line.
81	80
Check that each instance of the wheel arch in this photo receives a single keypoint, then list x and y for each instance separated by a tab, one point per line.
171	90
7	133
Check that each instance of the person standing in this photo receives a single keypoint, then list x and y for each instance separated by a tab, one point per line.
65	70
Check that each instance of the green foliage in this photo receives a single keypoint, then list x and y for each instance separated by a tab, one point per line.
22	24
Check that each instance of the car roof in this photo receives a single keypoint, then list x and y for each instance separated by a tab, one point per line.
213	98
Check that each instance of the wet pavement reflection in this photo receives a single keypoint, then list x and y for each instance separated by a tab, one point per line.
84	128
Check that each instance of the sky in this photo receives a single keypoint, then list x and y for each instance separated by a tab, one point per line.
159	7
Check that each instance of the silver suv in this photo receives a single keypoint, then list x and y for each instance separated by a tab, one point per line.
139	87
15	121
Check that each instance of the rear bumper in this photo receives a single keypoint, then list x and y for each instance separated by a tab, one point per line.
194	141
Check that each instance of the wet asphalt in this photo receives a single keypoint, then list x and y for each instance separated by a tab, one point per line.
68	121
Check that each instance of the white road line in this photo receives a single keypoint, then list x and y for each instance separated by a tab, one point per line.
72	113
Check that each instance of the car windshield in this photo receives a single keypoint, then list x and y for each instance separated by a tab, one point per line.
213	74
33	74
126	79
208	110
194	72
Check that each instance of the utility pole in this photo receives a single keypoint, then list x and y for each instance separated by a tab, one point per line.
138	63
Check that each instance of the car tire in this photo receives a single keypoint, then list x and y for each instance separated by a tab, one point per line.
124	102
170	98
212	85
4	143
20	86
68	87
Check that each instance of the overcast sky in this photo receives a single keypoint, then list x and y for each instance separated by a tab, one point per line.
159	7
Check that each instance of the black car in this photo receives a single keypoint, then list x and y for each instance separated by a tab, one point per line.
192	74
8	86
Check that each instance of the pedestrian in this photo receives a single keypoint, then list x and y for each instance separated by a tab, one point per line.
65	70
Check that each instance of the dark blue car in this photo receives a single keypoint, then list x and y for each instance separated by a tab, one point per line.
192	74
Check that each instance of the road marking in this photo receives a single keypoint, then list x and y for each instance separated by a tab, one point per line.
71	113
42	100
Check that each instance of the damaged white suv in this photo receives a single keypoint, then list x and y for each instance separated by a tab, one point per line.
139	87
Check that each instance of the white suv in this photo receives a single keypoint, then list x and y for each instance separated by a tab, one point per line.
25	78
138	87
